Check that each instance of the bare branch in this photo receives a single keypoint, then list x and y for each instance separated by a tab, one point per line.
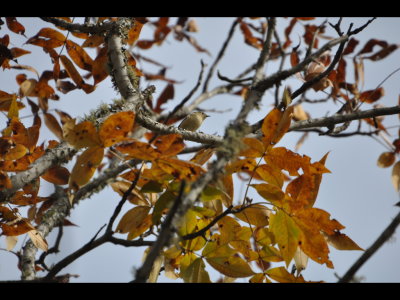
385	235
220	55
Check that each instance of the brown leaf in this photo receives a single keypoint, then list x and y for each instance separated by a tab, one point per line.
52	38
372	95
386	159
79	56
383	53
57	175
368	47
350	46
15	26
72	71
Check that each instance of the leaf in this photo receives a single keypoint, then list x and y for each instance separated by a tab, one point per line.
132	219
202	156
270	174
257	215
288	160
169	144
72	71
268	191
52	123
17	52
386	159
180	169
27	88
16	227
11	241
196	272
15	26
280	274
93	41
300	260
85	166
383	53
286	233
275	125
164	202
100	66
52	38
57	175
81	135
396	176
79	56
38	240
116	128
226	261
139	150
249	38
341	241
350	46
254	148
372	96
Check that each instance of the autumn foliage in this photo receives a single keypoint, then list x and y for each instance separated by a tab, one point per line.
254	238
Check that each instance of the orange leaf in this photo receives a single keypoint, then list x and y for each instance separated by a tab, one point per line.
134	32
116	128
139	150
270	174
82	135
15	153
52	38
85	166
14	25
5	182
16	227
169	144
275	125
180	169
100	66
57	175
79	56
52	123
254	148
93	41
287	160
268	191
72	71
17	52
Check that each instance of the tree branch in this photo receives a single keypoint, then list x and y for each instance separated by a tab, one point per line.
385	235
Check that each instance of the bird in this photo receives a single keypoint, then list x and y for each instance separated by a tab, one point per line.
193	121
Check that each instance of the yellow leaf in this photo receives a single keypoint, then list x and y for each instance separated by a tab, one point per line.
13	110
180	169
257	215
85	166
286	233
254	148
226	261
116	128
132	219
396	176
342	242
386	159
281	275
196	272
271	174
268	191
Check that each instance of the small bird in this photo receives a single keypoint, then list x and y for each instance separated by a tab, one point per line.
193	121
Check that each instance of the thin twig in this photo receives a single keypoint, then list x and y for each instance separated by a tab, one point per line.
220	55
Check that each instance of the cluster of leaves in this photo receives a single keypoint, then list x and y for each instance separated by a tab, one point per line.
282	227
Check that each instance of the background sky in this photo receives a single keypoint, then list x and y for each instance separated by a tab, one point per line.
357	193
